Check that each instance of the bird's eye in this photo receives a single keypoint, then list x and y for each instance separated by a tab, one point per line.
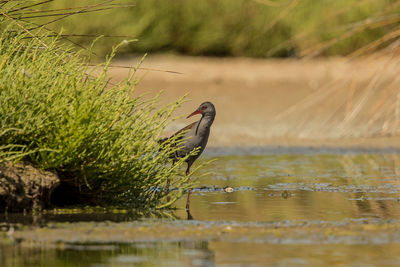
204	107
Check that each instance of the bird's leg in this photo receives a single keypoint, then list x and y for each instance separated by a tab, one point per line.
189	216
188	200
189	190
187	170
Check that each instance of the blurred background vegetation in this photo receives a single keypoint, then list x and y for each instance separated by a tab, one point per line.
253	28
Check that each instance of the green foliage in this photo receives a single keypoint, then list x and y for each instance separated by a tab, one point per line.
205	27
256	28
96	135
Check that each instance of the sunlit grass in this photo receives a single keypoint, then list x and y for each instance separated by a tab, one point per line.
98	137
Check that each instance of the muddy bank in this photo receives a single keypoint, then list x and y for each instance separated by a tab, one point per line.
23	187
350	232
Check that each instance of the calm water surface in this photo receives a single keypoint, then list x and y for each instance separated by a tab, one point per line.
312	209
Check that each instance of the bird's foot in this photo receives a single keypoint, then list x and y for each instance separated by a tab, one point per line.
189	216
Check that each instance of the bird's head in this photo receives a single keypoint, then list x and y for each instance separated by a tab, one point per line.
205	109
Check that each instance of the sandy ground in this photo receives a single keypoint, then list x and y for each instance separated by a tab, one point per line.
272	102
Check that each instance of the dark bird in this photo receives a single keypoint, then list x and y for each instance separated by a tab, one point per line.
196	136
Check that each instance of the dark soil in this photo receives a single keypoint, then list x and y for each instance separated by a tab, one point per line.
24	187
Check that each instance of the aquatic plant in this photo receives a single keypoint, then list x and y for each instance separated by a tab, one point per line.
61	114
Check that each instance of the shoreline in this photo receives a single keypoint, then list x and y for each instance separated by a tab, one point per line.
297	150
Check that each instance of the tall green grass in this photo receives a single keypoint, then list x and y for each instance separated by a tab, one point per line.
255	28
60	114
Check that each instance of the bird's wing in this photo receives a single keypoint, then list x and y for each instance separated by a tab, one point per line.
188	127
184	129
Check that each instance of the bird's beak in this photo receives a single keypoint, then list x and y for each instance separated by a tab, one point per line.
194	113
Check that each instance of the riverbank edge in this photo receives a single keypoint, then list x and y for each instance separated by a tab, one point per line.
25	187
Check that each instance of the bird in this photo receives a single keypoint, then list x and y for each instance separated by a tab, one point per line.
195	136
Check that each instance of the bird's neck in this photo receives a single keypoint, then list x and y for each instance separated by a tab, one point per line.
204	125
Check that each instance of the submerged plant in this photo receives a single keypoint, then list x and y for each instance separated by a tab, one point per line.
60	114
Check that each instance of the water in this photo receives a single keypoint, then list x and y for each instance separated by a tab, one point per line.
296	187
304	209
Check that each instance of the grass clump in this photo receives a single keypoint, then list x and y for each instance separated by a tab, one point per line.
56	114
254	28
